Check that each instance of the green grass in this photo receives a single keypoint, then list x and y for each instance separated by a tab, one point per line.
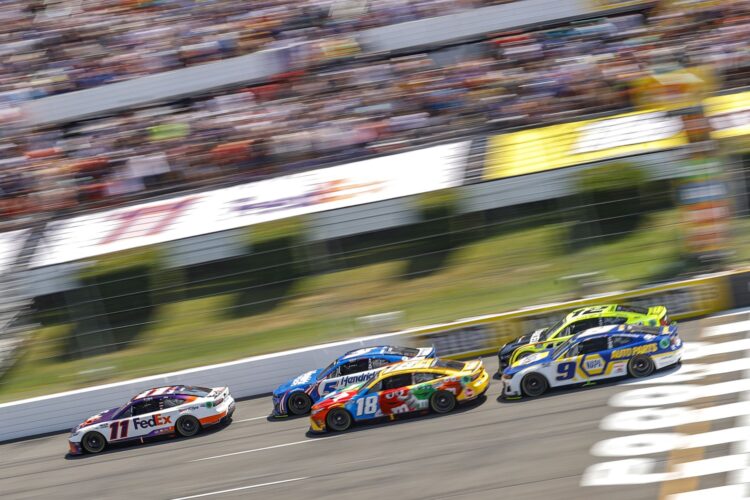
495	274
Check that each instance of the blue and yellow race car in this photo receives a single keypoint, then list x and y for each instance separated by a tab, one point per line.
598	353
298	395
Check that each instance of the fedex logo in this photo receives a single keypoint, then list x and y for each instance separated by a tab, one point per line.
154	421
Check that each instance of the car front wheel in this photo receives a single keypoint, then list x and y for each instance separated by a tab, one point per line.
338	420
534	385
93	442
299	403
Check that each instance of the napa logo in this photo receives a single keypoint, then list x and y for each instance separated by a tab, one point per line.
593	365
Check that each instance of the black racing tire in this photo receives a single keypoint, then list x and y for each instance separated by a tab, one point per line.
641	366
299	403
187	426
338	420
534	385
442	402
93	442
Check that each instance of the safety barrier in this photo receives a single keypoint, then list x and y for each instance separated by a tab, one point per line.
259	375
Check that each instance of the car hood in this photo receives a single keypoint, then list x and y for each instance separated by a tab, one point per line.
535	336
536	358
300	382
338	397
104	416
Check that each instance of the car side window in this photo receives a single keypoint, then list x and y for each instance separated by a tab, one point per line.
379	362
127	412
143	407
354	366
573	351
593	345
583	325
421	377
613	320
172	402
619	341
396	381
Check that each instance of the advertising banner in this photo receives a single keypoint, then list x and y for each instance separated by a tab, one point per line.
568	144
597	5
729	115
11	244
346	185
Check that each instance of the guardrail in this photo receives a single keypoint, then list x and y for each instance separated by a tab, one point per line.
259	375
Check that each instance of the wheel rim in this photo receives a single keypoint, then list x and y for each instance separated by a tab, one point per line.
187	425
443	402
94	443
340	420
533	386
299	402
641	366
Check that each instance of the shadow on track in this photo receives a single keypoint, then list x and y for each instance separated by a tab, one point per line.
401	419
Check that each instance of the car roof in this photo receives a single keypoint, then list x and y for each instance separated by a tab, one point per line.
412	364
161	391
591	310
616	329
367	352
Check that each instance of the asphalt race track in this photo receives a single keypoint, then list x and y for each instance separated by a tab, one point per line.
528	449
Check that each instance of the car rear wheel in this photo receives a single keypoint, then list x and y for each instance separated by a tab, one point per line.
442	402
187	426
338	420
534	385
299	403
93	442
641	366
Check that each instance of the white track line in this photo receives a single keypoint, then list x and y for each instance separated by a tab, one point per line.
249	419
242	488
264	448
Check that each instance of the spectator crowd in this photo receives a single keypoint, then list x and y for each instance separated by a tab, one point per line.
348	110
50	47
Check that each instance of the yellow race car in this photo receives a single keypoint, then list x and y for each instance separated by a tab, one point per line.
425	384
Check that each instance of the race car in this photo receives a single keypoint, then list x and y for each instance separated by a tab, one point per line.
298	395
178	409
599	353
578	321
418	385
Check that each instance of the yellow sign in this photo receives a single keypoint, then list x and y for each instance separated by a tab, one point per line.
729	115
618	4
557	146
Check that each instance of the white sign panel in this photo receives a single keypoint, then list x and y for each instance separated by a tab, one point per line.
11	243
346	185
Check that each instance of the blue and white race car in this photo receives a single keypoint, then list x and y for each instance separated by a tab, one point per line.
297	396
598	353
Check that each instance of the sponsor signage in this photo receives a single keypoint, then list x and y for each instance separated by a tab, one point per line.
11	243
346	185
568	144
729	115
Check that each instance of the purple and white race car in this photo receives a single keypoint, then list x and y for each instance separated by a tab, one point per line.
178	409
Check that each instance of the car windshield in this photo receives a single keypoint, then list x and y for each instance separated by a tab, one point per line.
325	371
552	329
561	348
